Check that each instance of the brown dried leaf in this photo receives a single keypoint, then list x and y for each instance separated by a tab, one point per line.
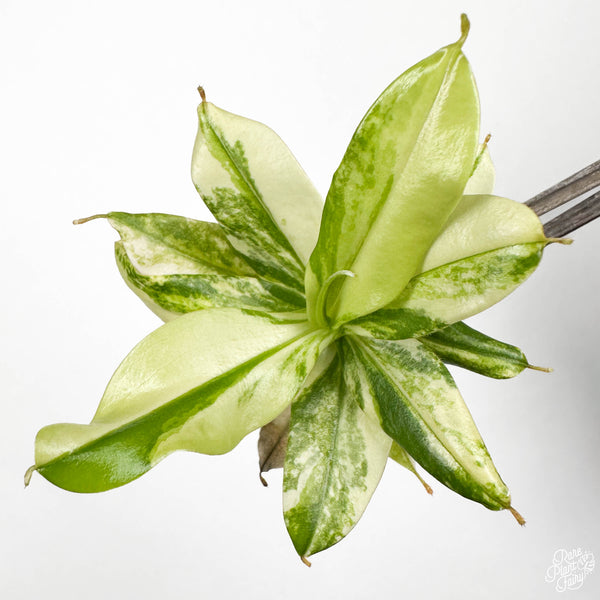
272	443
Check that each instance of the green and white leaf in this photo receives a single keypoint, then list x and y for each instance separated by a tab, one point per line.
402	176
358	387
481	223
468	348
169	296
160	244
451	293
335	458
179	390
421	409
177	265
258	192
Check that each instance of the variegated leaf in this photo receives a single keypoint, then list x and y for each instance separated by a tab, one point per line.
357	386
169	296
466	347
258	192
481	223
420	408
451	293
160	244
334	460
177	265
402	176
179	390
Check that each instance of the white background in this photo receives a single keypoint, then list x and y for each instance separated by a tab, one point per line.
97	113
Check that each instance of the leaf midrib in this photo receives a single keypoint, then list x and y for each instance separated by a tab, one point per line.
333	446
238	372
145	283
372	360
382	202
251	186
161	242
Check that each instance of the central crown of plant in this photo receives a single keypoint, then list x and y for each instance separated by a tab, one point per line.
346	312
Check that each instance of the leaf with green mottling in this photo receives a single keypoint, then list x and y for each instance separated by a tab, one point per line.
169	296
451	293
179	390
177	265
411	242
160	244
420	407
258	192
402	176
466	347
334	460
481	223
357	386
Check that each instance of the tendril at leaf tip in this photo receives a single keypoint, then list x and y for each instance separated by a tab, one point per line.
515	513
543	369
563	241
28	474
86	219
465	26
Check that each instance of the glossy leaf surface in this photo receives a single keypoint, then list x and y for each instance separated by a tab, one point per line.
178	390
401	177
258	192
335	458
169	296
422	410
468	348
481	223
177	265
350	375
451	293
160	244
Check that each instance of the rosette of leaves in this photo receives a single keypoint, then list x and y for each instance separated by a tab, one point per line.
345	311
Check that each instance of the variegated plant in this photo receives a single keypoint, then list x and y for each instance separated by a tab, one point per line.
347	311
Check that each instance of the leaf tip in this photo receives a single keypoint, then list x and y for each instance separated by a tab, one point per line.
563	241
28	474
515	513
306	561
543	369
86	219
263	480
465	26
424	483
